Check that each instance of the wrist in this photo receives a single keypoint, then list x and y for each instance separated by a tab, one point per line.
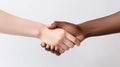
40	31
86	32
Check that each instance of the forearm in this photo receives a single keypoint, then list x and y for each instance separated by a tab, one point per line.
10	24
102	26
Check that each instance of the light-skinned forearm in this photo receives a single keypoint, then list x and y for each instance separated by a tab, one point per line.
10	24
102	26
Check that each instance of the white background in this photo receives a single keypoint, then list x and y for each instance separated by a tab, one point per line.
17	51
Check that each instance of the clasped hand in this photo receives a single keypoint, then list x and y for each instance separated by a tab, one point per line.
58	40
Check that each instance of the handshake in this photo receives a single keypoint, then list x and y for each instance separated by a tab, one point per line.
65	35
61	36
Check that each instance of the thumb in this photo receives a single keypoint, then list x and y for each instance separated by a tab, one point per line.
56	24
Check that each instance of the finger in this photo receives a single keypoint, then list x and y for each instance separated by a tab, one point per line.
57	24
61	50
58	54
64	46
69	43
80	38
78	42
47	47
56	48
57	51
71	38
53	26
43	44
52	49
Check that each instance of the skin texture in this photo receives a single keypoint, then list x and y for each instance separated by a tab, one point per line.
97	27
57	39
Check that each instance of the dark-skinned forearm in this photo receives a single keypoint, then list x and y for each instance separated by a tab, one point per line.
102	26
